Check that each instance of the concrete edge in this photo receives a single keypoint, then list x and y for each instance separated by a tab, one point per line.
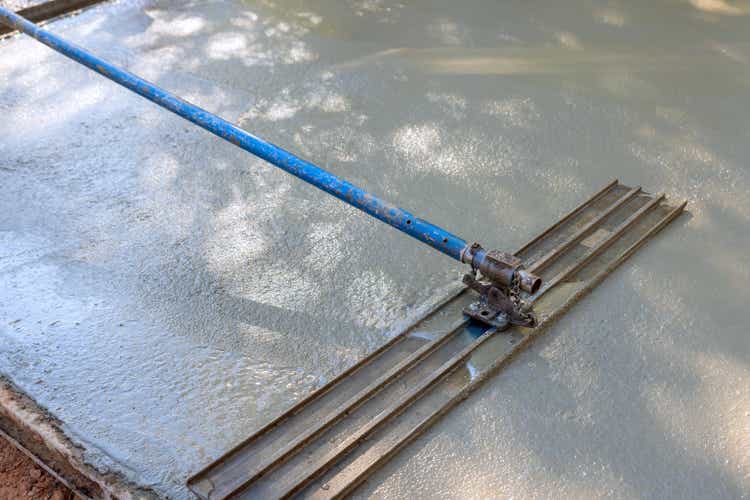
40	435
49	11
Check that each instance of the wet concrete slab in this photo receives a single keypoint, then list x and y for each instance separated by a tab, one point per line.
163	295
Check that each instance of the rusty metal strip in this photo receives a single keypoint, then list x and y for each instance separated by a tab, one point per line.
49	10
349	406
598	195
551	256
341	490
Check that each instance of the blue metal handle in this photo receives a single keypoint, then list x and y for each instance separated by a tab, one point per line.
422	230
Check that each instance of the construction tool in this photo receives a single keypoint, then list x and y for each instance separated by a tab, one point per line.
504	274
330	442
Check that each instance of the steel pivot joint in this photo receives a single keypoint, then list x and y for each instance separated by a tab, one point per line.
499	304
500	268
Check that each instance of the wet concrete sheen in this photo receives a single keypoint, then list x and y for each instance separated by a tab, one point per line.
165	295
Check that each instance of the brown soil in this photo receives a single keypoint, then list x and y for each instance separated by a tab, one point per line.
21	478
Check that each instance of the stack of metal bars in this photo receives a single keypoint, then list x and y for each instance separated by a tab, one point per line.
333	440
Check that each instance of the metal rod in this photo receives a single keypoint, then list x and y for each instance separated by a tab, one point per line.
424	231
38	461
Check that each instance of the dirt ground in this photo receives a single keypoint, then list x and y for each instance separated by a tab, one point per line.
21	478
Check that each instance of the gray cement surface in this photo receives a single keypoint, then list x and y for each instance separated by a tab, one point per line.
164	294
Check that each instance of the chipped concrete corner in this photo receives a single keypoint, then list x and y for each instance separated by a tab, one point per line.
41	434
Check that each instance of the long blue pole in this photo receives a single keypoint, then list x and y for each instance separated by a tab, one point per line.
422	230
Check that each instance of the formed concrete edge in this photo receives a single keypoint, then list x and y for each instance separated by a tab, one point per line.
49	11
41	435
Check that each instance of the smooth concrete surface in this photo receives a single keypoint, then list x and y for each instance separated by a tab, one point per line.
164	294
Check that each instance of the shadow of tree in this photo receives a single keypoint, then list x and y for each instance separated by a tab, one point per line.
223	250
